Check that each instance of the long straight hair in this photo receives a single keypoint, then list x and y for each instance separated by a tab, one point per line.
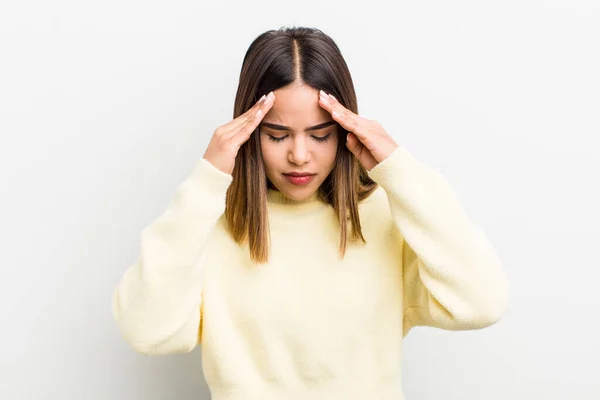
275	59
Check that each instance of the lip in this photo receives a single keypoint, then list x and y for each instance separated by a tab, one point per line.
299	174
299	178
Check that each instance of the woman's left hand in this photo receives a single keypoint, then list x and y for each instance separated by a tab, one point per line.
367	139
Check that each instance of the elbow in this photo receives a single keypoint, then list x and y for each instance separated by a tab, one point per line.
491	300
476	318
486	318
148	342
476	311
489	307
160	348
145	338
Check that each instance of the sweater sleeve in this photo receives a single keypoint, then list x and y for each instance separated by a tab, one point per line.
453	278
157	304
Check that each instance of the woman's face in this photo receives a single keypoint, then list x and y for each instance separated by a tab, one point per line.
297	136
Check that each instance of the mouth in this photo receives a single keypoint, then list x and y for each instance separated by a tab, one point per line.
299	178
298	173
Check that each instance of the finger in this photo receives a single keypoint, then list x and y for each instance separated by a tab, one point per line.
349	120
254	119
235	124
244	131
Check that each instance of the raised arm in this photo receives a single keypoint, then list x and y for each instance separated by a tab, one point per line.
453	277
157	304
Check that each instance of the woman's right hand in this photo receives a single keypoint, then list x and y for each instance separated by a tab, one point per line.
227	139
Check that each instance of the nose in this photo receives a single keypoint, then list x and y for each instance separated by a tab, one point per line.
299	152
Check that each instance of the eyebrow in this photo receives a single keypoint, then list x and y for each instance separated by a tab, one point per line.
287	128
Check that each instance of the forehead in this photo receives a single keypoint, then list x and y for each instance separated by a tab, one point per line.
297	106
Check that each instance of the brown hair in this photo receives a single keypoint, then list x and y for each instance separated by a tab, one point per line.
275	59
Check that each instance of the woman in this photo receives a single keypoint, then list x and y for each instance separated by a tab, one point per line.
306	243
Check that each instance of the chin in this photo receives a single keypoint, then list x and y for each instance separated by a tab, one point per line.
297	193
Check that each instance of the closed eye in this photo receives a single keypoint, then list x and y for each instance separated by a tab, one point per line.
320	139
276	139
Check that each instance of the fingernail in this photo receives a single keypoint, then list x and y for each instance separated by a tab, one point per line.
264	96
323	94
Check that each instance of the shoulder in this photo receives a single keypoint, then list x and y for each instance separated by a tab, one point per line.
377	197
376	219
376	206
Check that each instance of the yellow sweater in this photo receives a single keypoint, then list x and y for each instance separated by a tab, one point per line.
308	325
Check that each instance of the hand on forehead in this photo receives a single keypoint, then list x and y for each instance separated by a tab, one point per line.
297	108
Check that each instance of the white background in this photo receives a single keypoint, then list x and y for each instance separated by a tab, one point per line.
106	106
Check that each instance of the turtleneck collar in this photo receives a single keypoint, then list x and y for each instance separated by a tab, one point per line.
276	197
277	200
